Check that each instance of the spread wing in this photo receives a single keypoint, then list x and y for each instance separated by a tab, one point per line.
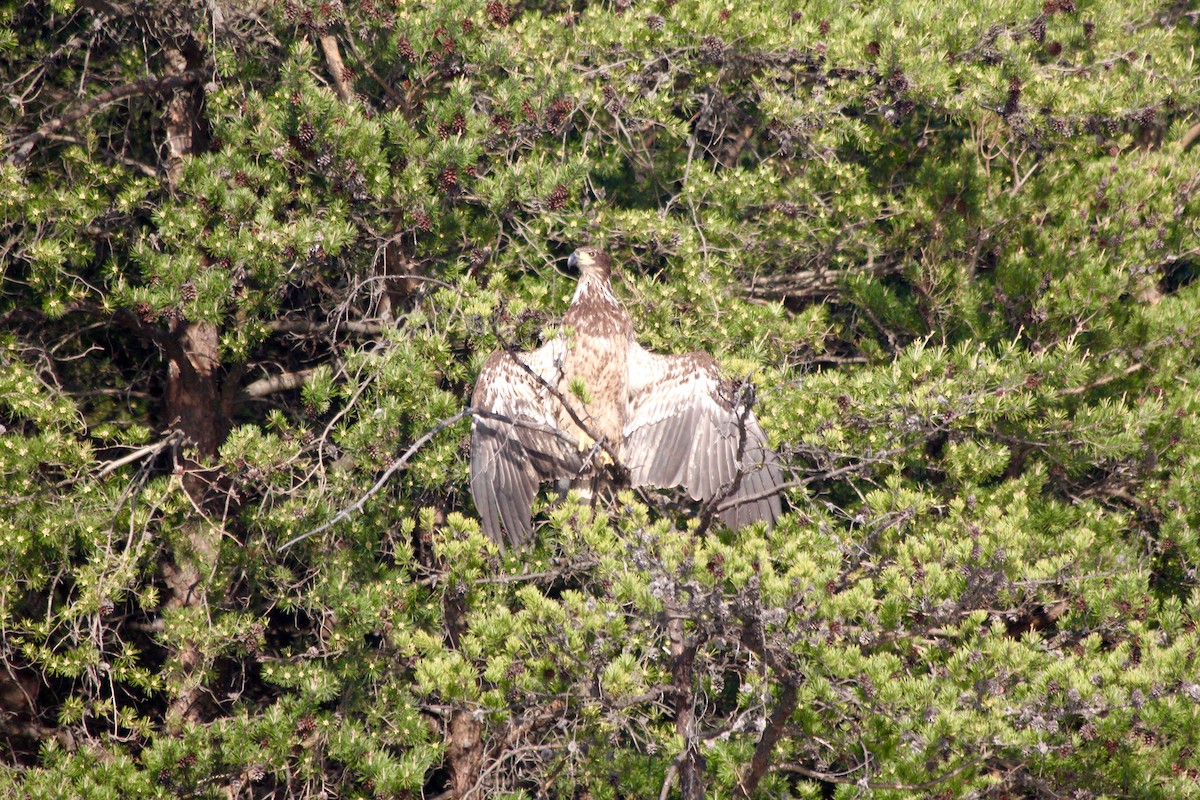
515	440
683	429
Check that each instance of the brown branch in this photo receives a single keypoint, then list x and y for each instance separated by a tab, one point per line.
746	398
600	441
761	760
151	84
336	67
1190	136
691	762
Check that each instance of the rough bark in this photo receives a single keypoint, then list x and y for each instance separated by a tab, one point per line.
464	743
761	761
691	763
193	407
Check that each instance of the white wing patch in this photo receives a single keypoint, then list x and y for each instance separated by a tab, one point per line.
515	440
684	430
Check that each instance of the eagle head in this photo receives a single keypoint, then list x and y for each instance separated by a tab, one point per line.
592	262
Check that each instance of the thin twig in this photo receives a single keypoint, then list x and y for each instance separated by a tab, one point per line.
395	467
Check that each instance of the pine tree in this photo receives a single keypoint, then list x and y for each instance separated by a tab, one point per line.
255	254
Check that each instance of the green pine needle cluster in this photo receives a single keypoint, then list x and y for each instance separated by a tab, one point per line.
253	252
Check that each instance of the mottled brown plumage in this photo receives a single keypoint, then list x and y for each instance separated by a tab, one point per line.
670	420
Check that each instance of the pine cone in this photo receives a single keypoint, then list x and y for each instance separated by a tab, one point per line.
1037	29
499	13
712	47
557	198
558	112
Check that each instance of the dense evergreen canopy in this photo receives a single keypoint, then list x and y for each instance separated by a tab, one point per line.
254	254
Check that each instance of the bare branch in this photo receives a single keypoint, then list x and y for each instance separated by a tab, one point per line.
395	467
277	383
141	452
337	68
151	84
309	326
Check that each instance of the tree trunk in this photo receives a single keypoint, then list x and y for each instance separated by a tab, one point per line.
683	657
464	745
193	407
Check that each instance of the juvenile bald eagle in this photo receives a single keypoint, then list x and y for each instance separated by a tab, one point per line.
669	420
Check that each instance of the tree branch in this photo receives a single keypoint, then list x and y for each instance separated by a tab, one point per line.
844	777
761	760
395	467
337	68
308	326
278	383
141	452
151	84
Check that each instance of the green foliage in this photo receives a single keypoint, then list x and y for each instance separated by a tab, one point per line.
955	247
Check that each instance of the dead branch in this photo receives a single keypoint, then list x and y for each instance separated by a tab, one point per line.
308	326
151	84
336	67
395	467
140	453
277	383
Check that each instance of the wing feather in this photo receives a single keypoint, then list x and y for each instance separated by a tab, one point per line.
518	448
682	429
